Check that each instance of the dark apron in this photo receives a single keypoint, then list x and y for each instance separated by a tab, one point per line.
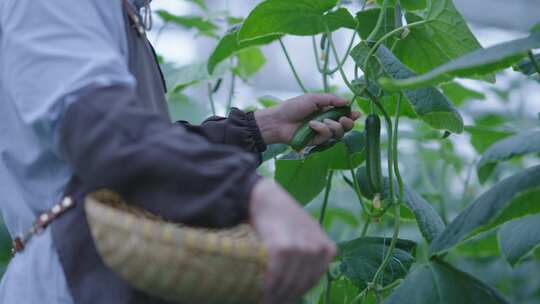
89	280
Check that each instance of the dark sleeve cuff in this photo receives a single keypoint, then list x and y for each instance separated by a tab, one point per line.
240	129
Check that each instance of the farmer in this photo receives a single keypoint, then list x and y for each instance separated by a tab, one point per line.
82	107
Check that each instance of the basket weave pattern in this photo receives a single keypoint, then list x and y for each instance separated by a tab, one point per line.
175	262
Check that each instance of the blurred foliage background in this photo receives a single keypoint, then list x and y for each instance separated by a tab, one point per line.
442	171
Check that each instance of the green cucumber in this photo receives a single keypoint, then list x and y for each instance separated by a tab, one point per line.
364	184
305	134
373	152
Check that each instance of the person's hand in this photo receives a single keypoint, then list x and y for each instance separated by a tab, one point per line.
298	249
278	124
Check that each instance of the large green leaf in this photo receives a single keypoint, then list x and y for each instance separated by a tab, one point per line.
428	103
250	61
303	178
409	5
413	5
299	17
479	62
519	237
367	21
429	221
513	146
458	94
344	154
444	37
482	245
361	257
516	196
229	46
204	26
483	137
437	282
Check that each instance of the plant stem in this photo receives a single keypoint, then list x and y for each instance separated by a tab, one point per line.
386	36
345	57
392	244
392	285
358	193
394	146
534	62
328	289
366	227
326	195
442	183
321	221
211	98
380	20
341	72
467	183
325	68
298	80
231	92
316	54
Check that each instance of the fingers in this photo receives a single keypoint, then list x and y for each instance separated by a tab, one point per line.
329	129
335	127
324	133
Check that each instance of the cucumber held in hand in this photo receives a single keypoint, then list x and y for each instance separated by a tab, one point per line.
373	152
305	134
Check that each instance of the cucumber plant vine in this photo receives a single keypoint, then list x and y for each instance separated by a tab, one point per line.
406	55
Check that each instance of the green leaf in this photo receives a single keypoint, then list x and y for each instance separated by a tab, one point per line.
229	45
351	146
204	26
413	5
444	37
483	137
268	101
478	62
483	245
458	94
367	21
437	282
361	257
429	221
516	196
510	147
303	178
179	78
519	237
409	5
299	17
250	61
428	103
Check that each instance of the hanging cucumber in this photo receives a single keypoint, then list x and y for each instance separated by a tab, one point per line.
364	184
373	152
305	134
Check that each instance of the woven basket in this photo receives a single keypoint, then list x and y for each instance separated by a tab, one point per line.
175	262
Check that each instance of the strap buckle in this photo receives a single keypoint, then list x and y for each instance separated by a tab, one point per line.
40	223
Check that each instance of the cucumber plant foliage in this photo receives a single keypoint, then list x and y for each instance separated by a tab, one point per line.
408	56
